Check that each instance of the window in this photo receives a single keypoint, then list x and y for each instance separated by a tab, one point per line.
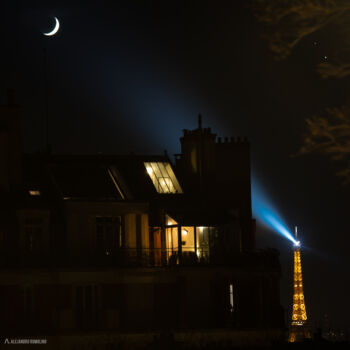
86	300
231	297
108	234
169	221
195	241
204	233
163	177
34	192
187	239
172	243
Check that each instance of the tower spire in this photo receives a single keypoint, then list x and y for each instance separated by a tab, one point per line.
299	329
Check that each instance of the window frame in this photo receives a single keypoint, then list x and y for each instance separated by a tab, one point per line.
163	177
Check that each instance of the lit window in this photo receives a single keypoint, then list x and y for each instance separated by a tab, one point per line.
231	297
172	240
163	177
187	239
170	221
34	192
203	237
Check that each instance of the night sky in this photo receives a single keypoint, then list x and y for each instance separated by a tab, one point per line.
128	76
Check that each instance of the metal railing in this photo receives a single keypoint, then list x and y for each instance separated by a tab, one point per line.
146	257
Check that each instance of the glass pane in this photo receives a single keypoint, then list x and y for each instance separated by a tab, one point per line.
169	221
187	238
172	245
188	248
203	234
175	184
108	234
163	177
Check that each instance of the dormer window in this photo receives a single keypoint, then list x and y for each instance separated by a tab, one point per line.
163	177
34	192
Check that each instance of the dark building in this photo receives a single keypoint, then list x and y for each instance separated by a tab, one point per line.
104	249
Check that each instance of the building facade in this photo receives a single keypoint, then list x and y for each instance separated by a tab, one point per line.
99	247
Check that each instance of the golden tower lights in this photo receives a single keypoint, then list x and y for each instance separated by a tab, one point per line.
299	329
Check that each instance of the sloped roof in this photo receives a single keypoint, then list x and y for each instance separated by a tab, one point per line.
84	181
93	177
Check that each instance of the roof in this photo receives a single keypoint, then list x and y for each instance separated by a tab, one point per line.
85	181
92	177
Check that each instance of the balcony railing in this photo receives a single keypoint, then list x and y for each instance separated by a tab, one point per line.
126	257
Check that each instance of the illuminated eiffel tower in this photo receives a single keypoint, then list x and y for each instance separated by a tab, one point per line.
299	329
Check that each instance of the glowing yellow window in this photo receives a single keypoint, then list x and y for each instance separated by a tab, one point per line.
34	192
163	177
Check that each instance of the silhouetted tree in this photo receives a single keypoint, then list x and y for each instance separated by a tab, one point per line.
289	21
330	135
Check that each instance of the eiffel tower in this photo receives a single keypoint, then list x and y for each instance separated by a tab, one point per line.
299	330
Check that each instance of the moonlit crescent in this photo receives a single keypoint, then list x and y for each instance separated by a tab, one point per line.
55	30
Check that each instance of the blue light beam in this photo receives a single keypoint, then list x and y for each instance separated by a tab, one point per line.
266	213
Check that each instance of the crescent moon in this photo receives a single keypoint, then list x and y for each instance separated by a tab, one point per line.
55	30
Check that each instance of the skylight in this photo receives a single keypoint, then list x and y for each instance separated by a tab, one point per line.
163	177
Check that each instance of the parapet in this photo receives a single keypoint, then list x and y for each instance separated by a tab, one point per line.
232	140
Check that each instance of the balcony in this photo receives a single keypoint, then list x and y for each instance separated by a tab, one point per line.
145	258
